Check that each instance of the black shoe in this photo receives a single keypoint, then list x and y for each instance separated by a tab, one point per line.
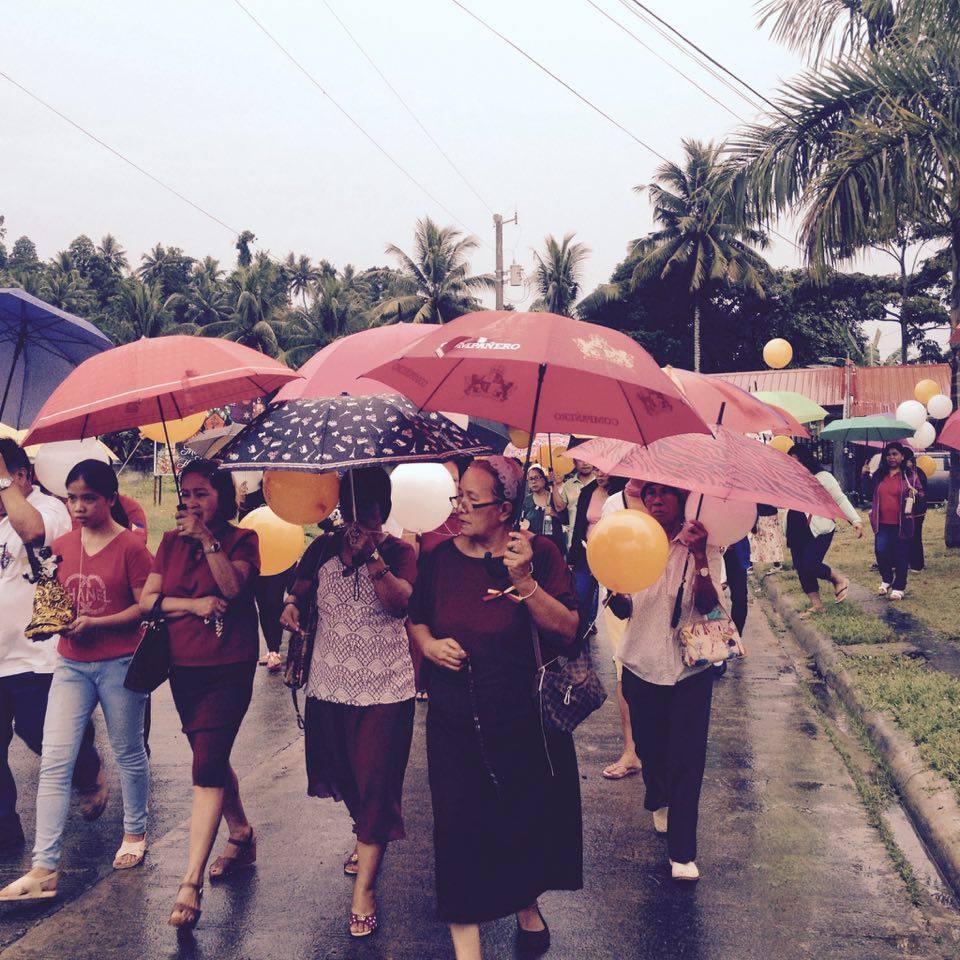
719	669
533	942
12	840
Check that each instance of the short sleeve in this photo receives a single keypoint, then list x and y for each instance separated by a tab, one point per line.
137	518
246	548
552	573
160	560
56	518
139	562
315	556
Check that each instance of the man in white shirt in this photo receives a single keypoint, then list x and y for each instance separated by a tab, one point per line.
27	515
567	493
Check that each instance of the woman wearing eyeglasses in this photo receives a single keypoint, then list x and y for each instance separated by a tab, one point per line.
505	829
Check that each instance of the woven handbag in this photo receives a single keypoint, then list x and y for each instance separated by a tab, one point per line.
567	688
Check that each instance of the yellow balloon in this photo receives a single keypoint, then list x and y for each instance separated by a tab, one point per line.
519	438
777	353
178	430
925	390
301	498
556	459
627	551
783	444
927	464
281	543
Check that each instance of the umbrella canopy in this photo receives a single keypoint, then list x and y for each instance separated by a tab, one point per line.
713	398
796	404
950	432
339	367
335	433
874	428
727	465
577	377
208	443
39	346
162	378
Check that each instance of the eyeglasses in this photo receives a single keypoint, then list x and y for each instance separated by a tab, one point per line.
469	505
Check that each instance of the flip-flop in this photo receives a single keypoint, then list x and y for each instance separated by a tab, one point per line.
842	593
627	772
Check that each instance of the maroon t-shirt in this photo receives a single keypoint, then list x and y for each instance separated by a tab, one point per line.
186	573
100	586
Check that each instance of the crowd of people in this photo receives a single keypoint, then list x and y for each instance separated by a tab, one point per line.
463	614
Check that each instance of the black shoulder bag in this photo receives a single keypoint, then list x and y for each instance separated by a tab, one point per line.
570	691
150	665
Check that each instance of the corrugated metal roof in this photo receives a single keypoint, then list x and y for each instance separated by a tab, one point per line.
873	389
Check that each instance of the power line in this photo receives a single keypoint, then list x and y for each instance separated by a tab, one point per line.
349	117
562	83
118	154
407	107
660	57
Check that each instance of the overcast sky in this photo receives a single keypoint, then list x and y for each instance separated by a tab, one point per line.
196	94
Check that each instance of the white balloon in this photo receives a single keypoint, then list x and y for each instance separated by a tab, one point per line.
913	413
940	406
875	463
727	521
55	460
421	495
924	436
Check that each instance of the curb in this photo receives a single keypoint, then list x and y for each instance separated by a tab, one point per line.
927	796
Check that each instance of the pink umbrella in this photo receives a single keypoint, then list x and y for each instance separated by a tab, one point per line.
727	465
718	401
542	372
339	367
950	432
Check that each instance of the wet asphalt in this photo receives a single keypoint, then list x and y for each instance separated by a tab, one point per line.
791	867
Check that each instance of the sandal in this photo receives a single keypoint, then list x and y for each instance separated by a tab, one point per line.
130	848
246	856
351	866
619	771
842	593
367	921
273	662
31	888
189	914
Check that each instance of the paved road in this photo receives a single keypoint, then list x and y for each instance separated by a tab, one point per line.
791	867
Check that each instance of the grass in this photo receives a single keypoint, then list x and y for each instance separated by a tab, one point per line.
924	702
160	518
933	596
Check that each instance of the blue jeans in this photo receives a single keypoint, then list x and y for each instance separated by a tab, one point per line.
893	555
585	587
76	690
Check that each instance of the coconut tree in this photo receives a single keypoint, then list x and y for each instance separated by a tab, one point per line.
302	276
702	236
67	291
244	257
866	143
202	303
113	254
437	275
557	274
334	311
255	311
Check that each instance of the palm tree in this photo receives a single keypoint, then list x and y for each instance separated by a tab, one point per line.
67	291
255	311
866	143
301	275
244	257
557	274
204	302
145	314
63	263
113	253
150	270
334	311
438	278
702	237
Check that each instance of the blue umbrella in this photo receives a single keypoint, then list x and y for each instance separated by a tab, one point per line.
866	429
39	346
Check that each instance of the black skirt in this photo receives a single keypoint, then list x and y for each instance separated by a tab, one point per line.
499	846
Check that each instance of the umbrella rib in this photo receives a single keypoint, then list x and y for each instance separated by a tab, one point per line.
443	380
643	436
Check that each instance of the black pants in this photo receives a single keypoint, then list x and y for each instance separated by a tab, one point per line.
737	582
893	555
23	706
807	552
269	593
917	560
670	726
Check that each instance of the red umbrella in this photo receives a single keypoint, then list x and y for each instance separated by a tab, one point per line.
727	465
339	367
719	401
950	432
539	371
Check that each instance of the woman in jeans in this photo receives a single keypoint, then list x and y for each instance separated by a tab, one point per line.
103	569
204	571
897	495
358	722
809	537
505	791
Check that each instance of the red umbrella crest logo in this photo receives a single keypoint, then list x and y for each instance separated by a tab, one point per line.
598	348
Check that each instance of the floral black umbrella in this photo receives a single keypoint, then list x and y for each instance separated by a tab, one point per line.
339	432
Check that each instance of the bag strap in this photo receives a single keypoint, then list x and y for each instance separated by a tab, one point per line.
296	707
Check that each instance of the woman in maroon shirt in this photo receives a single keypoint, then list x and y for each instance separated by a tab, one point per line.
205	571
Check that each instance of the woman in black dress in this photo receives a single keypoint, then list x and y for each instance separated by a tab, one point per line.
506	795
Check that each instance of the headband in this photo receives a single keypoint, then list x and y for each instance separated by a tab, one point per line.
509	473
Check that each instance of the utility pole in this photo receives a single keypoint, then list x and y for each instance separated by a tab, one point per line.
498	223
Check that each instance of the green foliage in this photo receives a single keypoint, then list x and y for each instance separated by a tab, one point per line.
557	275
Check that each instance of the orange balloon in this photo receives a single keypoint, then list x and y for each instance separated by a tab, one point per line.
556	459
519	438
177	430
281	543
926	390
927	464
777	353
783	444
301	498
627	551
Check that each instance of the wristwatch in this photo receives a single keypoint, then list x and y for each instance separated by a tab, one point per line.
5	483
214	547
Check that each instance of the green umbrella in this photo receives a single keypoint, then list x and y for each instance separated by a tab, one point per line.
877	427
796	404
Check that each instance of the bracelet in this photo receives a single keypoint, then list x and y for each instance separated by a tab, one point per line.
536	587
291	603
380	574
